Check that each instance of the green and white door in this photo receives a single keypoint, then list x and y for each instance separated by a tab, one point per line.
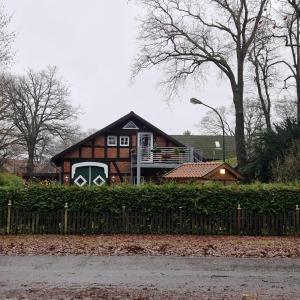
89	173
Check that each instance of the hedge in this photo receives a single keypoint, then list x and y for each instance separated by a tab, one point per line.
267	199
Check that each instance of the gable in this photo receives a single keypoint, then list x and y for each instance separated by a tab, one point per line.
117	128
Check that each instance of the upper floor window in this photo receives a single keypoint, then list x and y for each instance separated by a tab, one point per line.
124	141
112	140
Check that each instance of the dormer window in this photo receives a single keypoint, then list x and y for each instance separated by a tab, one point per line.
130	125
112	140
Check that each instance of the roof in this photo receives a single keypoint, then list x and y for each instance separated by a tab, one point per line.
125	118
199	170
19	166
207	146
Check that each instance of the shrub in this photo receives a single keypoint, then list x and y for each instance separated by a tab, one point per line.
269	147
287	169
10	180
152	198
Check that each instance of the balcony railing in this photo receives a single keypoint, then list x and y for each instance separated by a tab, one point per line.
166	155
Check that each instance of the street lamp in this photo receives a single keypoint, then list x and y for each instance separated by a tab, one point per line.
196	101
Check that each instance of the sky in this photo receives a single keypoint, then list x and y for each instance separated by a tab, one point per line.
93	44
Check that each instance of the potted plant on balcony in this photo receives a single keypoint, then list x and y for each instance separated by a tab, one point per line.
156	150
179	151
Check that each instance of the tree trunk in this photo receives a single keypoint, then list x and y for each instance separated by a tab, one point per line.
238	99
30	164
240	131
298	98
298	66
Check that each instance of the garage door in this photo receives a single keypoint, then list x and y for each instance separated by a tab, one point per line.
89	173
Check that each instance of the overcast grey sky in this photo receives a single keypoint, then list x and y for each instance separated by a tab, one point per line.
93	43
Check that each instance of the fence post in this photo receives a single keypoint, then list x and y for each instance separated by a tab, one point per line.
66	218
8	217
297	219
238	220
180	217
124	219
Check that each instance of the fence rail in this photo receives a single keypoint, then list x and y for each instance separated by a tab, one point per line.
65	221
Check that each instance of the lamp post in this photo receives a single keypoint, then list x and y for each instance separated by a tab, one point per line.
196	101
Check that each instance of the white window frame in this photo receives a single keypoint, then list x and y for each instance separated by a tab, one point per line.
127	143
112	144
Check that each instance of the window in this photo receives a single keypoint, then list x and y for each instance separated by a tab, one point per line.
111	140
218	145
130	125
124	141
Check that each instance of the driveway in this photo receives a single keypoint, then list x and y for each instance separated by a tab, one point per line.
198	277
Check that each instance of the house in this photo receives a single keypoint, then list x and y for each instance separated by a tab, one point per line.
128	150
211	145
42	171
203	172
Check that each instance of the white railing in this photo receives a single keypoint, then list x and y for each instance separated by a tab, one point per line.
165	155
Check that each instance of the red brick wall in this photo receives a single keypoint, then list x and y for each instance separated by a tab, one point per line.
112	153
72	154
100	141
99	152
86	152
124	167
67	167
124	152
160	141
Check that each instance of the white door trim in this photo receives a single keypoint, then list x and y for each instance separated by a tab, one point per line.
89	164
151	146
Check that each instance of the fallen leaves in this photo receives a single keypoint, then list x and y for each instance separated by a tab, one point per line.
183	245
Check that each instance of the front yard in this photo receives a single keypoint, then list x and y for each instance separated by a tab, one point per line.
153	245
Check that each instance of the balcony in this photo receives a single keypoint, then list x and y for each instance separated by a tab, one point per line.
164	157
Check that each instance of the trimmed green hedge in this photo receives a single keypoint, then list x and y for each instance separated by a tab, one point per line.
152	198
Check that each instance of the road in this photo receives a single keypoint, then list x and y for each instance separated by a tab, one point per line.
213	277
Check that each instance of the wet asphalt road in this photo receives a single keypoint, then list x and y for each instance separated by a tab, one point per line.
254	276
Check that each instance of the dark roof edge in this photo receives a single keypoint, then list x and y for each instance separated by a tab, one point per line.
225	164
56	158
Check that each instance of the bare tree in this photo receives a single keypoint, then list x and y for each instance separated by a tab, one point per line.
289	31
264	59
185	35
253	118
8	141
286	108
254	121
6	40
39	108
211	124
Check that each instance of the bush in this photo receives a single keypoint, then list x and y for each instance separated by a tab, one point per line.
269	147
287	169
152	198
10	180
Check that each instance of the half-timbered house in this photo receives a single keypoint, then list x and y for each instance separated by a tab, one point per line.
129	150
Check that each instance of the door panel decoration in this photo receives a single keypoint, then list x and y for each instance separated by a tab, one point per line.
89	173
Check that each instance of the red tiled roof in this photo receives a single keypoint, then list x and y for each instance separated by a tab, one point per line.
193	170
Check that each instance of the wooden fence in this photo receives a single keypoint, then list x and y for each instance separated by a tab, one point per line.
65	221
